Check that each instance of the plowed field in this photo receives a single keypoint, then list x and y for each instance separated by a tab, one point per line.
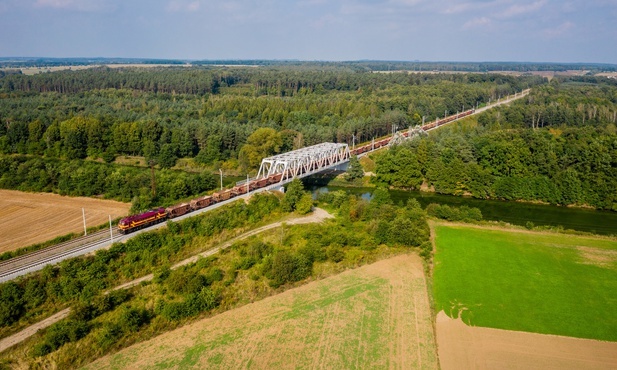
464	347
29	218
373	317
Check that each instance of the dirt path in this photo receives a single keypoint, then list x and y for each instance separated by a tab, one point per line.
465	347
317	215
31	330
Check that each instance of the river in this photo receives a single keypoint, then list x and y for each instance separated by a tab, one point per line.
516	213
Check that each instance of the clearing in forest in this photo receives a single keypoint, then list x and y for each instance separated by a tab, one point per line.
527	281
376	316
30	218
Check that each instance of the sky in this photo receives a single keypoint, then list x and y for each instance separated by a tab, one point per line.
332	30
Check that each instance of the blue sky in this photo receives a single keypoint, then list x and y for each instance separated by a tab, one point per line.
435	30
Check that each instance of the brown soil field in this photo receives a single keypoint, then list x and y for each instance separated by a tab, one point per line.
30	218
376	316
466	347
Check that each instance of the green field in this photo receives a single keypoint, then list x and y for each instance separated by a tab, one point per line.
542	283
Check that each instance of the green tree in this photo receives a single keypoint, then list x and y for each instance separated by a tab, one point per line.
305	204
293	194
354	171
262	143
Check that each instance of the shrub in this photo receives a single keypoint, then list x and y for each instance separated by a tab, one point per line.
286	267
131	319
335	253
305	204
11	303
60	333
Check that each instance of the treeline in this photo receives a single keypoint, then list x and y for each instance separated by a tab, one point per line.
249	270
566	101
572	160
287	81
376	65
87	178
308	107
163	80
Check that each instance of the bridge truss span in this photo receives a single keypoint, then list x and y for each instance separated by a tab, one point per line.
303	161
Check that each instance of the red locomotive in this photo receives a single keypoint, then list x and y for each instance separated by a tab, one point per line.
136	222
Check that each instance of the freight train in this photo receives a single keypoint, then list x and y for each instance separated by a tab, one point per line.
155	216
383	142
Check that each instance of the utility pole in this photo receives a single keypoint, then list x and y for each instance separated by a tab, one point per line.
353	141
247	183
83	213
152	179
221	171
111	234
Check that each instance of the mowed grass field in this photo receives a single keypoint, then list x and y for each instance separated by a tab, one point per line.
527	281
373	317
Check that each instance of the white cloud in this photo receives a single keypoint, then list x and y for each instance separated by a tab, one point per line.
477	23
469	6
183	6
559	30
79	5
520	9
325	21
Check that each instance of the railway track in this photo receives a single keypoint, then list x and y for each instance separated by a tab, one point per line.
33	261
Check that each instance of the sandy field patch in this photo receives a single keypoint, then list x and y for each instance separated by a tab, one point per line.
465	347
29	218
376	316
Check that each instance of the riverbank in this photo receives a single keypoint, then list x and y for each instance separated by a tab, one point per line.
525	214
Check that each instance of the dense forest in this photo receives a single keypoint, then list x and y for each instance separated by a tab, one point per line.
558	145
217	117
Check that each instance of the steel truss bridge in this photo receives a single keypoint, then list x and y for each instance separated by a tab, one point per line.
335	156
304	162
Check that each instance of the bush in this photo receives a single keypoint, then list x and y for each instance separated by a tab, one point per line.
61	333
286	267
305	204
335	253
11	303
194	304
108	336
131	319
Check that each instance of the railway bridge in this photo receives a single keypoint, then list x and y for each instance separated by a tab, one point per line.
326	157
